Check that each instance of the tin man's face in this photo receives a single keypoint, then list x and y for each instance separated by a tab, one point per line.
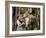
30	10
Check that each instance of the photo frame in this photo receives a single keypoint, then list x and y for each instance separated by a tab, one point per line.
14	9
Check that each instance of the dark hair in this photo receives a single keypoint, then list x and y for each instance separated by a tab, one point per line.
17	17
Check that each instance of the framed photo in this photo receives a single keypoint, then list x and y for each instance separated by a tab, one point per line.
24	18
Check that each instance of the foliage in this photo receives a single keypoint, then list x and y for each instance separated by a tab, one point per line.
23	9
34	23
